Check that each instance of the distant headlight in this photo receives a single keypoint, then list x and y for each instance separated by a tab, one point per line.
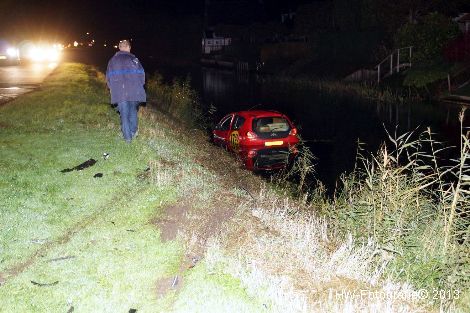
52	55
12	52
39	54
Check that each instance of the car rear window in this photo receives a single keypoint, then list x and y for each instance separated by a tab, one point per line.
271	127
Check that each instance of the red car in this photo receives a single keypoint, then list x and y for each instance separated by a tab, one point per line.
264	140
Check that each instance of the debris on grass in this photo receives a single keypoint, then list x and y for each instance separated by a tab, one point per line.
63	258
175	281
44	284
81	166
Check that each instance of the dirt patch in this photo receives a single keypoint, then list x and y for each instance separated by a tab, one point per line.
212	219
165	284
175	282
171	221
2	279
195	225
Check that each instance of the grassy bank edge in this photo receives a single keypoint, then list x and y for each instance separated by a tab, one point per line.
112	254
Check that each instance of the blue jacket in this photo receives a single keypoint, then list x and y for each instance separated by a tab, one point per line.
126	78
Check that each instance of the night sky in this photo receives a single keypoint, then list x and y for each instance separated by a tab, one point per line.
165	30
64	19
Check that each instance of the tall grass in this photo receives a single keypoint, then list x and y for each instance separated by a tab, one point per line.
297	175
178	100
362	91
454	196
415	207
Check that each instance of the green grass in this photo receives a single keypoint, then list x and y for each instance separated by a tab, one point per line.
116	261
114	255
207	290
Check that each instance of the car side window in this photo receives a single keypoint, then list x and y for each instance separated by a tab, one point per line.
225	124
237	122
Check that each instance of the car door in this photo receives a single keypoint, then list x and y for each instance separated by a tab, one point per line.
234	136
222	130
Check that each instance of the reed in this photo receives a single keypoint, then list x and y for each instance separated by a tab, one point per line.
415	207
177	99
360	91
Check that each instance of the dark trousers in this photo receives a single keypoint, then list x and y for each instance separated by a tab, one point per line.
129	123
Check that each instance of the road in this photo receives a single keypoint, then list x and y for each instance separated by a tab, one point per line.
16	80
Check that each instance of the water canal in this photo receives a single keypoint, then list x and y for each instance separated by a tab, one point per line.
330	123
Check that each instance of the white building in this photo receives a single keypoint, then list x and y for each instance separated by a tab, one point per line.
212	43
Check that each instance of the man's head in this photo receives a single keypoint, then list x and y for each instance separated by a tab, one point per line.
125	45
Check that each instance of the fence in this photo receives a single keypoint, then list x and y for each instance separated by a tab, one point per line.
397	60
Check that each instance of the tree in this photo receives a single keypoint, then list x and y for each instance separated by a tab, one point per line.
392	15
428	37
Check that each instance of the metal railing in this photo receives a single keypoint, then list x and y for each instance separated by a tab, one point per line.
458	80
398	59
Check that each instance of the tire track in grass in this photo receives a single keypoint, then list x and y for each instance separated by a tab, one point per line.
20	267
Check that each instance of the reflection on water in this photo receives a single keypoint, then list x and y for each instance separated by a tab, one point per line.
228	91
331	124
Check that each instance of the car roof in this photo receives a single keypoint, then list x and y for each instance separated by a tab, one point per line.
259	113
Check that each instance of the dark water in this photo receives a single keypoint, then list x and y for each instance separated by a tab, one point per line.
330	123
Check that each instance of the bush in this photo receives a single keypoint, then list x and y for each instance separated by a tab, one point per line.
414	208
177	99
422	76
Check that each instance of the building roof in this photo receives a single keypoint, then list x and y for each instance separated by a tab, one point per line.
210	34
463	18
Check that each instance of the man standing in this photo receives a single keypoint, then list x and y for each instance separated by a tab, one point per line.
126	78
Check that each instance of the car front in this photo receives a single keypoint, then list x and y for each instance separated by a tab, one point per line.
9	53
43	53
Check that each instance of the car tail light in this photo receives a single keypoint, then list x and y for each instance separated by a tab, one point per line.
250	135
293	132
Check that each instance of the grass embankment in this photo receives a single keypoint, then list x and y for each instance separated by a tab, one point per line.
175	225
89	240
407	212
